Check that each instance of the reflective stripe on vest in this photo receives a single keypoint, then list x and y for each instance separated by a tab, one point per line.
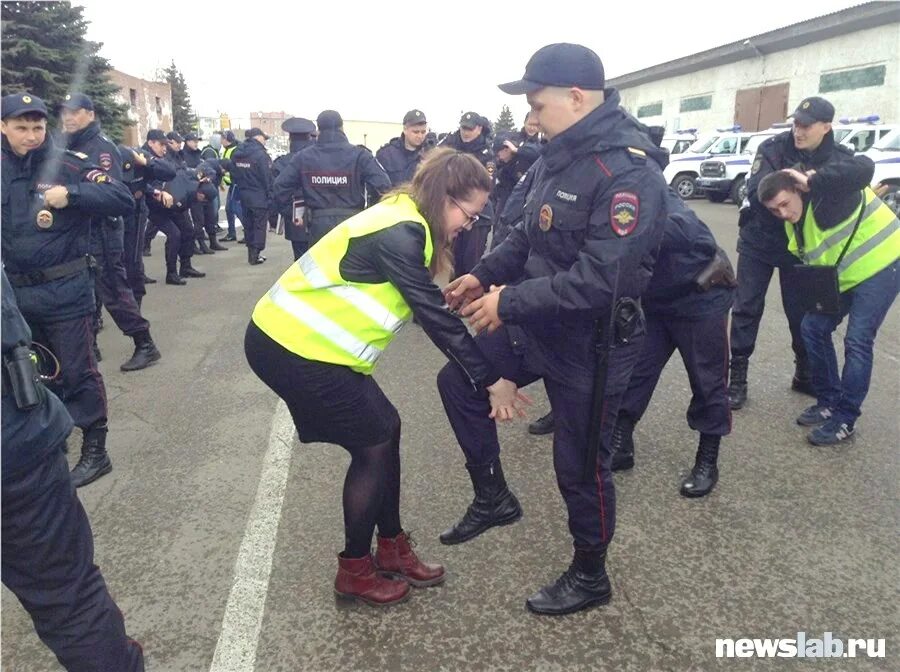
314	312
226	154
874	247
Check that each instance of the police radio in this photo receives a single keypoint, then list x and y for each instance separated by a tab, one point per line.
24	378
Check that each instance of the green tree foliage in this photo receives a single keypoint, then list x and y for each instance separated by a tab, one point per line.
183	118
45	52
505	121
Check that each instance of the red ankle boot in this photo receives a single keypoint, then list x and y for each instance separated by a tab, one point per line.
396	558
357	579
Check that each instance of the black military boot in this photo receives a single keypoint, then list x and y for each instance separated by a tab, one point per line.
203	247
146	252
94	461
188	271
215	245
494	505
705	474
542	425
97	354
585	584
622	444
149	281
253	257
175	279
145	353
801	381
737	383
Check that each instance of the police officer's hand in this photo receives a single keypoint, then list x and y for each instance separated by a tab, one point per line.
483	312
461	291
881	189
511	146
139	158
56	197
801	179
506	401
166	199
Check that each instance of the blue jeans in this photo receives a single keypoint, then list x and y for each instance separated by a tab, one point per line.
233	208
867	305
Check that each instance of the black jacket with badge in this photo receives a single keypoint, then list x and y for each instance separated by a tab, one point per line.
37	238
251	171
106	233
594	218
192	157
835	192
138	177
399	162
761	233
332	175
32	435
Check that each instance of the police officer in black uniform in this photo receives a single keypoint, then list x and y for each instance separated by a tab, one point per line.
473	138
332	176
48	547
686	306
594	216
251	171
83	135
762	243
49	199
202	213
401	156
301	134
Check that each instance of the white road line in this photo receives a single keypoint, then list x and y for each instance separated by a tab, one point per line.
236	649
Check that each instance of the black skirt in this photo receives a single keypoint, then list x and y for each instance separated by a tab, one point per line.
328	402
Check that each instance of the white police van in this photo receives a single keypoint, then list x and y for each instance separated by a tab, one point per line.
861	133
679	141
684	169
886	155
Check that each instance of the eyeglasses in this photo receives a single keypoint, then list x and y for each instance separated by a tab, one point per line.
471	218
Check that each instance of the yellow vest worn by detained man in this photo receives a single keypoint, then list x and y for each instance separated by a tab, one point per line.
317	314
875	246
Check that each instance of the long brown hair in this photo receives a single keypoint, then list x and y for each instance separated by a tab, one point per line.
443	173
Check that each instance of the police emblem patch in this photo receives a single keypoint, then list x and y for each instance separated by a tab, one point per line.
44	219
126	166
105	161
97	177
545	218
623	213
491	167
26	99
756	165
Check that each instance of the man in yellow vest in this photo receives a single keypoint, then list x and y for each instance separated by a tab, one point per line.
834	219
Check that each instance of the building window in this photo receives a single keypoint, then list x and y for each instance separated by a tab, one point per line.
158	106
132	96
651	110
852	79
696	103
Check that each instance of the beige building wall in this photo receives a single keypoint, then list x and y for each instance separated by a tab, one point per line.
149	105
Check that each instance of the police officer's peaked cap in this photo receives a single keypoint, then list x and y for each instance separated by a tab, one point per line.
18	104
329	120
414	117
174	136
77	101
813	109
298	125
156	134
561	64
500	140
471	120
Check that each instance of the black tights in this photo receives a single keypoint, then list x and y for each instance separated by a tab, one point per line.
372	495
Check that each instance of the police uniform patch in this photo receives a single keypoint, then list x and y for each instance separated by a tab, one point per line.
623	213
26	99
756	164
96	176
491	167
44	219
105	161
545	218
126	166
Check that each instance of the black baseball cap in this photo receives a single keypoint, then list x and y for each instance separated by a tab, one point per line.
228	135
253	132
174	136
813	109
561	64
192	136
470	120
77	101
156	134
329	120
18	104
414	117
298	125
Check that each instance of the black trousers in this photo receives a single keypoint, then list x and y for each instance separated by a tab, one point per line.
204	218
753	277
132	257
179	233
703	345
48	563
111	282
591	503
299	247
80	385
255	222
468	248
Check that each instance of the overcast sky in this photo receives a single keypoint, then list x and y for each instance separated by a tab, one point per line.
376	60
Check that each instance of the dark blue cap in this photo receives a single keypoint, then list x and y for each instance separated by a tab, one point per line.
329	120
228	135
471	120
192	136
156	134
500	140
561	64
414	118
174	136
77	101
298	125
18	104
813	109
254	132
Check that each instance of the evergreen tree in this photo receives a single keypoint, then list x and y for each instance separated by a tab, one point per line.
183	118
505	121
44	51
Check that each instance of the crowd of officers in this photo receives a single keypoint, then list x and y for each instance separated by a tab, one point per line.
583	227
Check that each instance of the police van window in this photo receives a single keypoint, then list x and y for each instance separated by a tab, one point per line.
724	146
702	144
744	142
681	146
840	134
864	140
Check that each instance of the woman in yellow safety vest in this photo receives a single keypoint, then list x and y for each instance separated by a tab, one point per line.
316	335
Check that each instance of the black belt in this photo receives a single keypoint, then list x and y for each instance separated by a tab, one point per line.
43	275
